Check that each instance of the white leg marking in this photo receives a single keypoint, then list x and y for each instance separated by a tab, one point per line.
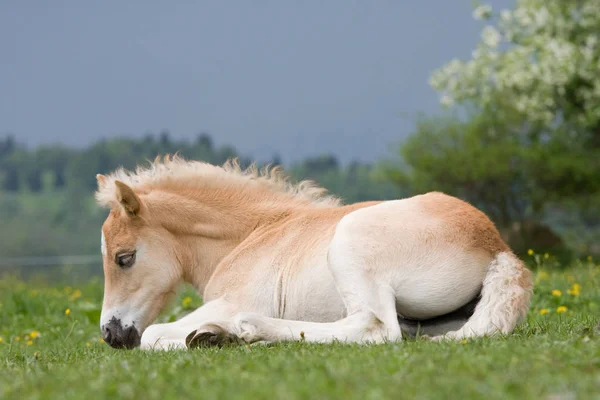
173	335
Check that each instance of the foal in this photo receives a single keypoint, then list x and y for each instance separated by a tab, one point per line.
279	262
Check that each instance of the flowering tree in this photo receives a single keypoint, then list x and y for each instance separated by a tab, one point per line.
530	145
541	59
540	63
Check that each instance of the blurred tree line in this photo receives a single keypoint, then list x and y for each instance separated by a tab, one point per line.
46	194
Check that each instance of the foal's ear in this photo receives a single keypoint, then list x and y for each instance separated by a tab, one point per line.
128	199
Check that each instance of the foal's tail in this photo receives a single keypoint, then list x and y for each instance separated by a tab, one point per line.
505	298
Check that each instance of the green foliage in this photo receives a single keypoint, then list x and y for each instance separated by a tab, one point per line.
475	160
46	353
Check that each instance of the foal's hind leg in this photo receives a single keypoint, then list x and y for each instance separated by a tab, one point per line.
505	300
369	300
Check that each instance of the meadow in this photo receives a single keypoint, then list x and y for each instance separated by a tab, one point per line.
50	347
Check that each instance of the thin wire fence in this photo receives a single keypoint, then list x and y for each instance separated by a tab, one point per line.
41	261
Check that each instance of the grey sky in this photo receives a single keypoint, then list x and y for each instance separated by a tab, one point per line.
288	77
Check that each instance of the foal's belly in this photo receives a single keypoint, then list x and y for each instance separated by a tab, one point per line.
425	289
432	288
312	296
429	275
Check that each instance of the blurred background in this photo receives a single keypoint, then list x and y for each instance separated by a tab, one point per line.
496	103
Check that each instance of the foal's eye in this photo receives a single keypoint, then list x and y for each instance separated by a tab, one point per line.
126	260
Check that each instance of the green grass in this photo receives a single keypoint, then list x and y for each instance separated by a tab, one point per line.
553	355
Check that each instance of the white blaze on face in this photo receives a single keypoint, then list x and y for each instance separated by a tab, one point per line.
131	310
102	244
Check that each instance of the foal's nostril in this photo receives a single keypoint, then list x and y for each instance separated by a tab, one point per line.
106	334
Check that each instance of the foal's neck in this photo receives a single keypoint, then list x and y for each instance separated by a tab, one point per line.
210	225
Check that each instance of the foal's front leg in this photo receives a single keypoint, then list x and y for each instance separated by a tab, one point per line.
173	335
370	305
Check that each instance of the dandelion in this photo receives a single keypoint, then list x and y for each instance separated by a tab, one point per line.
101	340
463	341
530	252
546	256
187	301
556	293
34	334
29	342
1	340
575	289
544	311
67	311
561	309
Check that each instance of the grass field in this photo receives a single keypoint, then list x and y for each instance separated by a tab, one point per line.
51	348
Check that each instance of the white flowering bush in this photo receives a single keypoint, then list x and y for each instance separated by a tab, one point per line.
527	149
542	58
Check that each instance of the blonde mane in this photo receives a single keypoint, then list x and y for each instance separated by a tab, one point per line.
174	169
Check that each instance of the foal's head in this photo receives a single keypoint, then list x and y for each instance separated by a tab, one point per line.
141	269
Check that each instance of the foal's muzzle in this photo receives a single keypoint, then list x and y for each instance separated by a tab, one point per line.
118	337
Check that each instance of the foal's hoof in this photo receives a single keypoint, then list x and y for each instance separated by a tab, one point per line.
209	336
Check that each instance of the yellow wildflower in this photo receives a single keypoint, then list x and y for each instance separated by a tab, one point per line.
561	309
187	301
544	311
556	292
542	275
530	252
67	311
29	342
76	294
101	340
575	289
34	334
88	344
1	340
546	256
463	341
